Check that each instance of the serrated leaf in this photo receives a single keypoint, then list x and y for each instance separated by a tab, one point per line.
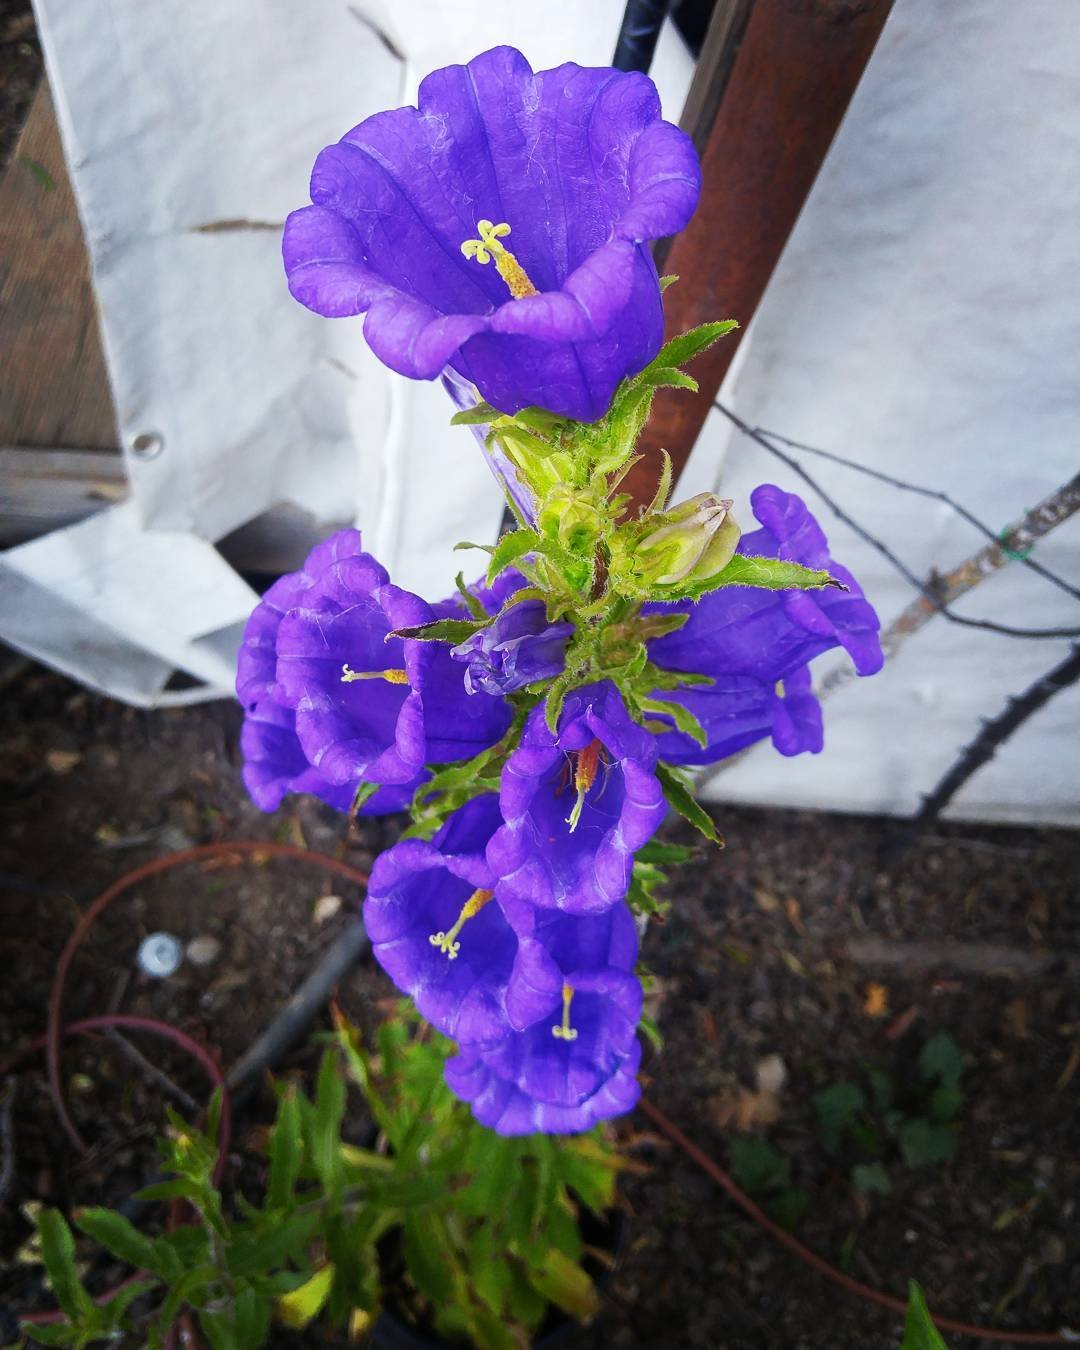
465	543
919	1330
252	1254
509	548
684	719
285	1153
771	574
299	1307
442	630
656	852
53	1335
564	1283
667	281
667	377
470	601
688	345
120	1236
179	1188
680	797
58	1253
481	415
326	1123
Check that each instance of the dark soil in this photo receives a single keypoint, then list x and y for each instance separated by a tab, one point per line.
750	964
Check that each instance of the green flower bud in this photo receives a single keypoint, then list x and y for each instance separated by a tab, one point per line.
690	542
571	518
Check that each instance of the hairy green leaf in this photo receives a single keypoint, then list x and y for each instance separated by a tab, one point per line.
481	415
564	1283
656	852
684	719
771	574
509	548
286	1152
470	601
688	345
120	1236
442	630
58	1253
326	1123
680	797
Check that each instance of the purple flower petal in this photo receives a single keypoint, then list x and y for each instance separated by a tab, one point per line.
506	1109
519	649
417	892
577	161
274	762
750	641
537	853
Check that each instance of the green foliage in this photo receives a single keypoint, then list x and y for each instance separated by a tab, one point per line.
487	1227
762	1172
678	792
496	1238
919	1330
914	1124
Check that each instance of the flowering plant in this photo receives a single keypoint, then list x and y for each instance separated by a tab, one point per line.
536	723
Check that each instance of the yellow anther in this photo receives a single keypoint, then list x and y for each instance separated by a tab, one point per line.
488	246
390	676
469	910
565	1032
588	762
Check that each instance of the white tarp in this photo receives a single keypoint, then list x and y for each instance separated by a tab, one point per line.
923	319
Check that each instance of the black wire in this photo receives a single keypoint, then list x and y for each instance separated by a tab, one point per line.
935	493
996	732
793	464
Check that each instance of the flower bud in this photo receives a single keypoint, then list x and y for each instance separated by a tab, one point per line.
690	542
566	516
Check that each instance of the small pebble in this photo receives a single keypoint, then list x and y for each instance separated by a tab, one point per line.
203	951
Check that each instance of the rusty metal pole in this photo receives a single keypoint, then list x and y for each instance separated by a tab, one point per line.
774	81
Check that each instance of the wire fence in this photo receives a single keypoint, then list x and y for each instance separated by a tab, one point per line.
937	594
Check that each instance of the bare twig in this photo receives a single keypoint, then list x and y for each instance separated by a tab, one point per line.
1063	502
996	731
1052	511
929	591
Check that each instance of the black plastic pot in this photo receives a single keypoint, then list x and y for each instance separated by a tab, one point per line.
392	1332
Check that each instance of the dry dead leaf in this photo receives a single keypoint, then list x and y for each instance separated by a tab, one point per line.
706	1023
62	761
743	1109
794	964
1014	1019
794	915
765	900
877	1001
899	1025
